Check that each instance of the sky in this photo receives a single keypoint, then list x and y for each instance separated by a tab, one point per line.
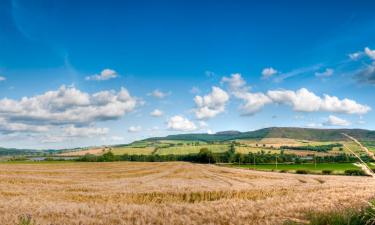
86	73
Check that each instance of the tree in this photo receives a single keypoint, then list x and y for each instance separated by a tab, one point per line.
205	156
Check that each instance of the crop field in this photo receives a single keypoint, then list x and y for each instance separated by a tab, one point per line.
132	150
336	168
93	151
168	193
190	149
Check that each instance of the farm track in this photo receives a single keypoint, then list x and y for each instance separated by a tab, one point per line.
168	193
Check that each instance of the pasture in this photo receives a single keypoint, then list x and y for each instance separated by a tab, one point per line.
192	149
336	168
169	193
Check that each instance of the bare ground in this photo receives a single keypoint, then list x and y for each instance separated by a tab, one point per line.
169	193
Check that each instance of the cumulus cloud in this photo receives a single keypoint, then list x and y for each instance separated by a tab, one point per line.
6	127
159	94
370	53
235	83
72	131
303	100
366	74
106	74
212	104
180	123
336	121
134	129
2	78
268	72
327	73
156	113
69	109
355	56
252	102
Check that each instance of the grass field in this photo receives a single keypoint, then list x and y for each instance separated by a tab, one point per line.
132	150
188	149
336	168
168	193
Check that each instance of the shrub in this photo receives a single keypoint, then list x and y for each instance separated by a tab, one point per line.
326	172
354	172
283	171
25	220
302	171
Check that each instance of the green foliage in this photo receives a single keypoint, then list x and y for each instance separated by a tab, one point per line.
302	171
277	132
25	220
354	172
205	156
326	172
319	148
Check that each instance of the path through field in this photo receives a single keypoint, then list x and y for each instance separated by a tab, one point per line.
168	193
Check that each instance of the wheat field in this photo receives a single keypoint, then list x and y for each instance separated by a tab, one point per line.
168	193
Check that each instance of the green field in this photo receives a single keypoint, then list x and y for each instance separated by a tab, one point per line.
132	151
189	149
336	168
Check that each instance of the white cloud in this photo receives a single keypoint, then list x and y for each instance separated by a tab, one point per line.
106	74
336	121
134	129
370	53
236	83
327	73
268	72
252	102
301	100
305	101
355	56
159	94
6	127
72	131
297	72
180	123
2	78
65	106
156	113
212	104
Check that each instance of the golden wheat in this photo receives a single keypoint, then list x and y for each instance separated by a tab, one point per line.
168	193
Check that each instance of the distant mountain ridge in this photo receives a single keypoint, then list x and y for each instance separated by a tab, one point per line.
277	132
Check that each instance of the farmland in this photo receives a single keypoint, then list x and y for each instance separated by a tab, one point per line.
335	168
168	193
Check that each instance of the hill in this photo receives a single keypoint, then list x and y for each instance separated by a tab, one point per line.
276	132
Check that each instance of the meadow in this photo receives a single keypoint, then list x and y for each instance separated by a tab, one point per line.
169	193
335	168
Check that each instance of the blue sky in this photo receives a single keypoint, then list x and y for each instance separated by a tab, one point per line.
74	73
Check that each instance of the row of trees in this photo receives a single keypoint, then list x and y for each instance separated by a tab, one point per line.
230	156
317	148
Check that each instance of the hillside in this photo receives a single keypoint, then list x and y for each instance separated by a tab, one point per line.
277	132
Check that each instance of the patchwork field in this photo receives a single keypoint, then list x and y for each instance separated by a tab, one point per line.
168	193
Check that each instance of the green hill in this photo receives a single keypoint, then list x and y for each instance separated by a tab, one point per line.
276	132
